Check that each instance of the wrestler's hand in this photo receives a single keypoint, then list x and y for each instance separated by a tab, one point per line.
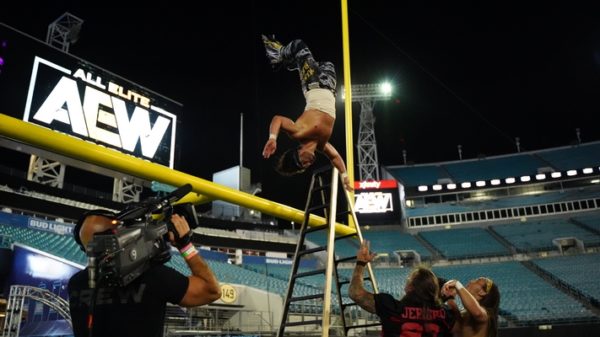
449	288
270	148
347	184
364	254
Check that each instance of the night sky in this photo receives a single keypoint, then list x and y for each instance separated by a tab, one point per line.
475	76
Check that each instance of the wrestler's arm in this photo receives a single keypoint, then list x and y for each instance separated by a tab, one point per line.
338	163
277	123
357	291
469	302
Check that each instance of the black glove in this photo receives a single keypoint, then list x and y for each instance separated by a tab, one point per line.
180	241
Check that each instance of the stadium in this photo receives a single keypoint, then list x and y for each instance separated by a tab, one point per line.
528	220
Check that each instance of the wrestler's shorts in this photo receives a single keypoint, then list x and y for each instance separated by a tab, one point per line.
320	99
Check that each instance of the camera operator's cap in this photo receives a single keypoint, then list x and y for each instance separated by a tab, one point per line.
77	228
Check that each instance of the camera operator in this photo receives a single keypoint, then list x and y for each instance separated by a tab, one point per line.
138	309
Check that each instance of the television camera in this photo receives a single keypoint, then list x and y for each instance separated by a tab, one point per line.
118	256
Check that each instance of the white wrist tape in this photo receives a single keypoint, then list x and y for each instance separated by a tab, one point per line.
458	285
344	176
272	136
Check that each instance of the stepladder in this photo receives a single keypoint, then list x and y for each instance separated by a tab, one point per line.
317	297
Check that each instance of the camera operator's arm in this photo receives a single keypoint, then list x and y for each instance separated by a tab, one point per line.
203	287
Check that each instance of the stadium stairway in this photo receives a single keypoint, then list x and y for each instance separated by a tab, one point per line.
502	240
585	226
435	254
560	285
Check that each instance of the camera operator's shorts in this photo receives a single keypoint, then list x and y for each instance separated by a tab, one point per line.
320	99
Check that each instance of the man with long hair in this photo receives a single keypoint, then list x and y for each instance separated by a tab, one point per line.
314	126
481	300
419	312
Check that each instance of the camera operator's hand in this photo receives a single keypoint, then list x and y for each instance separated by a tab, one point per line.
183	235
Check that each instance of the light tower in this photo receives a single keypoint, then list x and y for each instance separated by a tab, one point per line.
64	31
367	95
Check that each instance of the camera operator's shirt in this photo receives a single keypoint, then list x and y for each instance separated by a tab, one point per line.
407	318
135	310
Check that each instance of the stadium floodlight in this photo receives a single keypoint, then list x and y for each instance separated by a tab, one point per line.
379	91
495	182
540	176
451	186
510	180
571	173
525	179
588	170
595	181
386	89
437	187
556	174
423	188
480	183
465	185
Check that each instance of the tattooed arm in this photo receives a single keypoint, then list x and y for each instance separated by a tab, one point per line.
357	291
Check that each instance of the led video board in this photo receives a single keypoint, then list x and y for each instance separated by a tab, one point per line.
377	201
43	85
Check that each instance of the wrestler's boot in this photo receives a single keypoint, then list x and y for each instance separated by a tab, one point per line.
273	49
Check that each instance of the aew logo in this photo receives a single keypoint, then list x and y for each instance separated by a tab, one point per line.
373	202
81	104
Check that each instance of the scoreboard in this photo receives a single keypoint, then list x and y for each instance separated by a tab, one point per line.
41	84
377	201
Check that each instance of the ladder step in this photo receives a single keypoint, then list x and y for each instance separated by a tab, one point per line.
309	273
345	259
321	188
316	321
316	228
362	326
342	213
317	208
345	236
307	297
312	250
366	278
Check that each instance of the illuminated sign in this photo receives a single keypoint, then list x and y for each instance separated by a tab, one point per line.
375	184
72	96
373	202
377	201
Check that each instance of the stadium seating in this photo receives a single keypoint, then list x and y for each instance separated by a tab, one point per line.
417	175
493	168
389	241
572	157
343	248
538	235
514	165
580	272
590	221
62	246
464	243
